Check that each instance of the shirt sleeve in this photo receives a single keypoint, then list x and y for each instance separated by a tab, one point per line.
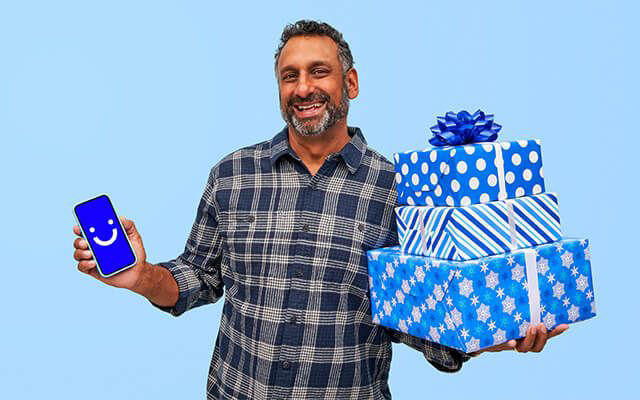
443	358
197	269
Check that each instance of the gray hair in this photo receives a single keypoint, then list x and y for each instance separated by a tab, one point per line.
306	27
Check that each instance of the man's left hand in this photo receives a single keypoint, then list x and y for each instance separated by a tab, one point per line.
535	340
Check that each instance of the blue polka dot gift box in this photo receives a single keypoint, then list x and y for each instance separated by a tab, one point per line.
466	167
471	305
478	230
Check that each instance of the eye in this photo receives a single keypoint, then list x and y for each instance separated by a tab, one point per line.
92	229
110	222
289	77
320	72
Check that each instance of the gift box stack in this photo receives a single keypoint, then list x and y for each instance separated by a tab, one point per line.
481	256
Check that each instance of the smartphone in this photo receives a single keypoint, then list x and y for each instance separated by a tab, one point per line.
106	236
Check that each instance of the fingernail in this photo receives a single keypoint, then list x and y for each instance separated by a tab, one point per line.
92	263
87	253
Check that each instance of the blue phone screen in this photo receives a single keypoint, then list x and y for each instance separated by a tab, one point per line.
102	229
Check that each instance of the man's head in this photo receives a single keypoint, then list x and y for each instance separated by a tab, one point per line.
316	78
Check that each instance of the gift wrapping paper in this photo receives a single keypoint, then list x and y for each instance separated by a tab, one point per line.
471	305
469	174
478	230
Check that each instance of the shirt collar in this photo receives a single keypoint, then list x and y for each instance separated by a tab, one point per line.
351	153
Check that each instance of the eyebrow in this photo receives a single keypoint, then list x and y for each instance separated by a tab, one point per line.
314	64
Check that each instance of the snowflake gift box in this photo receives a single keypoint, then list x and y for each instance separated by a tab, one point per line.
469	174
471	305
478	230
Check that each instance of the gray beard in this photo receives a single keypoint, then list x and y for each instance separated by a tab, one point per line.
329	118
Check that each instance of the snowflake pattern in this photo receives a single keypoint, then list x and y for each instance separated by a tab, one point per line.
405	287
517	273
473	345
543	266
416	314
390	270
486	304
492	280
582	283
435	335
508	304
573	313
549	320
558	290
456	316
499	337
567	259
587	254
483	312
466	287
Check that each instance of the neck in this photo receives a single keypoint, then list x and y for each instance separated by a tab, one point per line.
313	150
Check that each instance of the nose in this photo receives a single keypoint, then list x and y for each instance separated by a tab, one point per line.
304	86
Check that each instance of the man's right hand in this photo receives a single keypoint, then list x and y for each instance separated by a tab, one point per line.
129	278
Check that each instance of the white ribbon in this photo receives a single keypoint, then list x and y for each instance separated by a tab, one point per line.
423	230
512	224
499	163
532	284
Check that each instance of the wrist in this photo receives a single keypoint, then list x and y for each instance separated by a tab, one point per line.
144	284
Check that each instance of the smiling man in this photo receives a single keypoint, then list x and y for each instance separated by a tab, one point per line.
282	231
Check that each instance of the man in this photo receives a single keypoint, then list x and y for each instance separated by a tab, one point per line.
283	227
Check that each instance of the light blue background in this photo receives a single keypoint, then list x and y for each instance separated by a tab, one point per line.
145	96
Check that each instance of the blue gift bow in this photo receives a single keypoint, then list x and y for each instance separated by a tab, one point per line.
463	128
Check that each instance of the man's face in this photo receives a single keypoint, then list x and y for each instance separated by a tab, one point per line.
313	93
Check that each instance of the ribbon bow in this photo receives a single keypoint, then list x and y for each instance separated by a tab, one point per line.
463	128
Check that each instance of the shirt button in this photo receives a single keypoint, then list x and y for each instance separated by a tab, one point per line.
250	218
361	227
286	365
306	227
293	319
299	273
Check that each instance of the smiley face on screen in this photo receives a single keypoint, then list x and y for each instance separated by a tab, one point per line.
100	242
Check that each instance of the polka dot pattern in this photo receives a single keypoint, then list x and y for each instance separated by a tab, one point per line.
455	175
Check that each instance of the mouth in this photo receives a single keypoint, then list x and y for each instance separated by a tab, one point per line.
309	110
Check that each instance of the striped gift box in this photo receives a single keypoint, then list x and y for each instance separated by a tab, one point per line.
479	230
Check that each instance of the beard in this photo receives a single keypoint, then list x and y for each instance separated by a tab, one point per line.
316	125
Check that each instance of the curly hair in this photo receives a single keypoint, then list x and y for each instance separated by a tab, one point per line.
306	27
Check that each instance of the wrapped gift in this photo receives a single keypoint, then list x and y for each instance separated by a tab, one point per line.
478	230
467	167
471	305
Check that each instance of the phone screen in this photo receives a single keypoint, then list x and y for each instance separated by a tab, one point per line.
104	233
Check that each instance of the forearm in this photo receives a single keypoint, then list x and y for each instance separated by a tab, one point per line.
157	285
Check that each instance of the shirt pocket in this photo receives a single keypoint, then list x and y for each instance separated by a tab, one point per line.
256	244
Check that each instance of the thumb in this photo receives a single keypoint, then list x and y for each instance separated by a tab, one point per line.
129	227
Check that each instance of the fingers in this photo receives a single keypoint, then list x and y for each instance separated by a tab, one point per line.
77	231
128	225
86	266
82	255
541	339
526	344
80	243
558	330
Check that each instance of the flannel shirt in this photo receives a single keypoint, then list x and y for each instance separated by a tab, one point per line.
289	249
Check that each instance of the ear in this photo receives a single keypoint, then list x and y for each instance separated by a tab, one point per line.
352	83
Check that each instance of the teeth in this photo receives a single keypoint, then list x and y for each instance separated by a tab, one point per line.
309	106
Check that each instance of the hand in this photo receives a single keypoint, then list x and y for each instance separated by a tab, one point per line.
535	340
128	278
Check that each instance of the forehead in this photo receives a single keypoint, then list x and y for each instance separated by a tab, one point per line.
303	50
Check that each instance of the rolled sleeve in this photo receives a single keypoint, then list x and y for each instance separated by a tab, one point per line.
197	270
443	358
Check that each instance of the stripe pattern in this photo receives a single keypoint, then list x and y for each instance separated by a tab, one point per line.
479	230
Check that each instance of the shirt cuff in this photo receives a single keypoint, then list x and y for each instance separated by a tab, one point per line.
188	287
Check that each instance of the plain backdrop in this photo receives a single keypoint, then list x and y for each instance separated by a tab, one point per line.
139	99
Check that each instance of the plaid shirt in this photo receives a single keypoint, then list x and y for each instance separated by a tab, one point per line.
289	248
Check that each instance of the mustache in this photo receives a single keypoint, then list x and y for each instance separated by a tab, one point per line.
316	96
